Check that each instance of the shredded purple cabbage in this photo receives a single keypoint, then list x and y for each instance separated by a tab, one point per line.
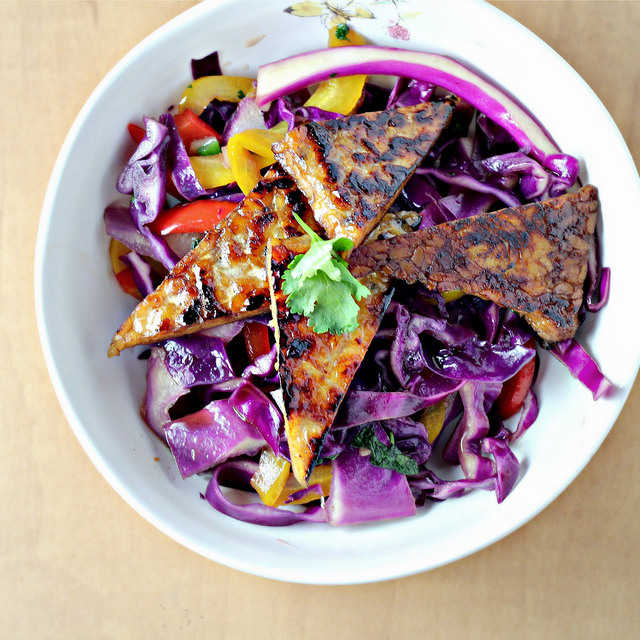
239	472
162	392
291	109
197	359
407	93
207	66
119	226
141	272
453	348
246	116
201	440
362	407
255	408
361	492
582	367
181	171
217	410
217	113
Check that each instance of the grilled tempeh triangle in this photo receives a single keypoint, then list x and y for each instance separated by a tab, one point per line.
316	369
351	169
531	258
224	278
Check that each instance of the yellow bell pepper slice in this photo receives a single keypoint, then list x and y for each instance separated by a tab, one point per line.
211	171
450	296
275	483
203	90
343	36
116	251
270	478
433	420
248	152
259	141
339	94
244	166
281	128
321	475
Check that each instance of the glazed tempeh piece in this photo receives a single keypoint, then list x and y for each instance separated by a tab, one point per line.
316	369
532	259
351	169
224	278
310	361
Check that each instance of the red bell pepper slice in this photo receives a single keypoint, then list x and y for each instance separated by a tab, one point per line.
136	132
191	127
256	339
127	283
515	389
198	216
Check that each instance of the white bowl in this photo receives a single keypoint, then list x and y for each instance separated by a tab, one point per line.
79	304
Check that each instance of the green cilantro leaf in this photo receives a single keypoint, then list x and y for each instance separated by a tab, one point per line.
342	31
328	304
389	457
319	286
241	94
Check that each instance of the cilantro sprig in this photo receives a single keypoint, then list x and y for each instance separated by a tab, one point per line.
319	286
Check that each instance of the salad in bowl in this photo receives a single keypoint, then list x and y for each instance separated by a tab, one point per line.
417	360
273	367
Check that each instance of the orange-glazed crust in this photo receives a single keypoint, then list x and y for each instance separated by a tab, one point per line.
351	169
224	278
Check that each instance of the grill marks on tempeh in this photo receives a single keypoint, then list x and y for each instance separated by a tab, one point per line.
531	258
224	278
351	169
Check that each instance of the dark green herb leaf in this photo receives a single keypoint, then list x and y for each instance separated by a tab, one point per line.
342	31
389	457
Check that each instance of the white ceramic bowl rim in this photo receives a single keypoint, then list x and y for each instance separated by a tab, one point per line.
98	395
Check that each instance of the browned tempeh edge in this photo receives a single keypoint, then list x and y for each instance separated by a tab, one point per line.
531	258
197	294
316	369
351	186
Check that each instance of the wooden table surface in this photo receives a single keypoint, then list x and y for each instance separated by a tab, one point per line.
77	562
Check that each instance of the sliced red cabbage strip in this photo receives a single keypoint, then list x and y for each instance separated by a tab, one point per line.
291	74
241	471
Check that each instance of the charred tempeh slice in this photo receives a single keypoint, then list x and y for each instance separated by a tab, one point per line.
532	259
316	369
224	278
308	360
351	169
